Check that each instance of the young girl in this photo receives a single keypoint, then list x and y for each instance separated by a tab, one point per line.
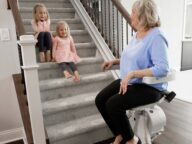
41	27
64	51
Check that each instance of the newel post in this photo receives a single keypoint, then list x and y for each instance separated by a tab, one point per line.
30	67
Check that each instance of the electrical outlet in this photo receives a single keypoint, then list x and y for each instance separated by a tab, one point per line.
4	34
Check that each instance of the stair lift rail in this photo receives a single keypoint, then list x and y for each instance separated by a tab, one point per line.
148	121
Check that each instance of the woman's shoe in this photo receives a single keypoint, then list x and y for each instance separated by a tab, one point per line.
123	142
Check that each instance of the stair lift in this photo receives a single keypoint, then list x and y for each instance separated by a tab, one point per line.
148	121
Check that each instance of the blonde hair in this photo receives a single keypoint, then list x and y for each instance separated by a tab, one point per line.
147	13
35	9
63	24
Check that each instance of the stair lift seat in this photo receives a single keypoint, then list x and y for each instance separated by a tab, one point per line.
148	121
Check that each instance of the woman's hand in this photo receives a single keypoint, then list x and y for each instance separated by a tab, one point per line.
107	65
124	83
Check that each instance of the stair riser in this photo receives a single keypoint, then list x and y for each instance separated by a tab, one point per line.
87	138
81	38
73	90
86	51
73	26
55	15
49	4
56	72
71	114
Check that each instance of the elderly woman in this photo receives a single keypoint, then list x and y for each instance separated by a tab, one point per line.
145	55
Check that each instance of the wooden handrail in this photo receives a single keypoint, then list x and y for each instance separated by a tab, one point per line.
123	12
23	105
22	100
12	4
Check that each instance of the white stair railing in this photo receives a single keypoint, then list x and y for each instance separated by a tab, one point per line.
101	45
30	67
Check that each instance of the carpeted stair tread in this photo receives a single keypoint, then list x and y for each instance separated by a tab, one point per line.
61	82
67	103
75	127
88	60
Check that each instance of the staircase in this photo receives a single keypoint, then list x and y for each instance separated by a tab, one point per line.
69	111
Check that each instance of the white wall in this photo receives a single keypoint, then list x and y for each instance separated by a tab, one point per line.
11	126
172	16
188	25
3	5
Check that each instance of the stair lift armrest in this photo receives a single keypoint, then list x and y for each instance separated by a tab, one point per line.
154	80
169	96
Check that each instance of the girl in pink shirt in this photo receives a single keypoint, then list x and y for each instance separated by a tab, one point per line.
64	51
41	27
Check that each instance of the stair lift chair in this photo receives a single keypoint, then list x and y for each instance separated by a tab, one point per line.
148	121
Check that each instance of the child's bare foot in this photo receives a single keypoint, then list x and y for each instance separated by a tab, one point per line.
67	74
76	77
48	56
42	57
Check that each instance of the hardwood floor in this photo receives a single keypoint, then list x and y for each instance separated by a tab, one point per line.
179	124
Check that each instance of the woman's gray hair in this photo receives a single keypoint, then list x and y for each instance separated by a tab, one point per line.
147	13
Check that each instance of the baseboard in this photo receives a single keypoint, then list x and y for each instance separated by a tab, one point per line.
12	135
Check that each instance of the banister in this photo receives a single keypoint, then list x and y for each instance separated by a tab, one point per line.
111	19
123	12
20	30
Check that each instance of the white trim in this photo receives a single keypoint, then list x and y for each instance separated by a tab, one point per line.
27	40
30	67
12	135
94	33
